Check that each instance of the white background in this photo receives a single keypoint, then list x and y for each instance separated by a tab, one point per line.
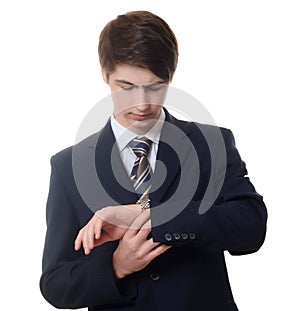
239	58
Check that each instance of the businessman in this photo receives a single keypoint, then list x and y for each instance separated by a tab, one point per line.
153	236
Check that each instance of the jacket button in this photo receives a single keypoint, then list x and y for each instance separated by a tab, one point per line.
176	236
154	276
192	236
168	236
184	236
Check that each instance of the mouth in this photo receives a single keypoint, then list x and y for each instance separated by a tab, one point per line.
140	117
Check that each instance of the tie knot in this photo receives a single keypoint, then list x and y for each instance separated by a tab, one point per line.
141	146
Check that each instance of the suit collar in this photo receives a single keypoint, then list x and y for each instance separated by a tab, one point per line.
123	135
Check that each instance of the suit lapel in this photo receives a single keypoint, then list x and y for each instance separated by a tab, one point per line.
172	151
110	169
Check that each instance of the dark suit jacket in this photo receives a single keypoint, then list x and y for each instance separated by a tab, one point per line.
192	275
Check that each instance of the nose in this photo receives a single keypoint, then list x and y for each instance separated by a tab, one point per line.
142	107
142	100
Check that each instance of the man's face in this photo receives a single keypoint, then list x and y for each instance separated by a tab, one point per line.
138	95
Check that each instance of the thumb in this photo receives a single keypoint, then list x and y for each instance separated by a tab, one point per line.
103	239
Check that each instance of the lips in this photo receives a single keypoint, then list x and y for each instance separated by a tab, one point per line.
140	117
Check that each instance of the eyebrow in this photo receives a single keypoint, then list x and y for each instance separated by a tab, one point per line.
130	83
124	81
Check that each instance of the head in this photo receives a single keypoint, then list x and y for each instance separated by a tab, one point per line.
138	55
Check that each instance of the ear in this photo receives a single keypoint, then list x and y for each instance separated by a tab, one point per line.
104	75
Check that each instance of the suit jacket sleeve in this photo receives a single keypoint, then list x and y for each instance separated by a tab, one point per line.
236	221
71	279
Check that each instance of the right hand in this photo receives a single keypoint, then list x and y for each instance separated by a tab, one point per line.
135	251
114	220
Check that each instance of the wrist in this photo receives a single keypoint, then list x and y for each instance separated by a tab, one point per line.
106	214
119	271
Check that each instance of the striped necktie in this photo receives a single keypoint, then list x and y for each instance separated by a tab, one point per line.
141	171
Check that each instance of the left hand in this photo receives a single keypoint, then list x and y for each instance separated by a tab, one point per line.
114	220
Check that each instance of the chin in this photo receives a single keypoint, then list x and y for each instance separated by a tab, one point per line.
142	126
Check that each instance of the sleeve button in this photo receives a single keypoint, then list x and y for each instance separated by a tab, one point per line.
176	236
184	236
168	236
192	236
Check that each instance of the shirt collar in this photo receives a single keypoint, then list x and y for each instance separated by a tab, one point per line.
124	136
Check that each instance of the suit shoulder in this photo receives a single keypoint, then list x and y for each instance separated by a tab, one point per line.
64	157
211	127
194	127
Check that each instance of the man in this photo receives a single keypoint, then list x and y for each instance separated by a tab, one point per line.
148	242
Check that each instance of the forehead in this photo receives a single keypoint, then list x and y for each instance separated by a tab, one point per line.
133	74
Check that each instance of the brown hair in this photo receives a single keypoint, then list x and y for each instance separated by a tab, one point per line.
142	39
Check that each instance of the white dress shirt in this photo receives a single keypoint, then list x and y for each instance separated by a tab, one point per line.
124	137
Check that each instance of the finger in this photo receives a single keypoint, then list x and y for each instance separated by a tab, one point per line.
157	251
147	224
144	231
85	242
139	221
97	230
91	235
103	239
146	246
78	241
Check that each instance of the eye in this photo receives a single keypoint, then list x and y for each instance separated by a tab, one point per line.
127	88
154	87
